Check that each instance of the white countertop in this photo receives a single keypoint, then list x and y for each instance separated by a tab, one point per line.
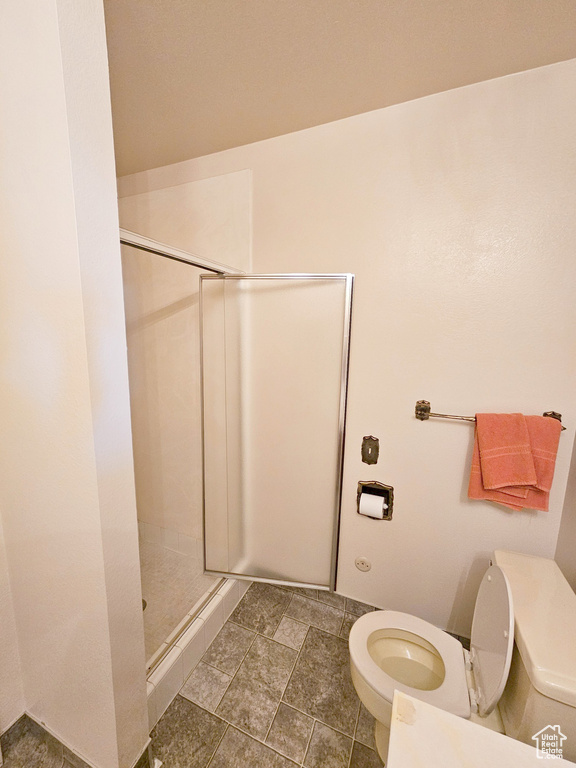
423	736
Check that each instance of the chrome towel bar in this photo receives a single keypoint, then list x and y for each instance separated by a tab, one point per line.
423	412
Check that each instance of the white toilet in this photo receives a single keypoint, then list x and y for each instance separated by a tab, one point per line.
396	651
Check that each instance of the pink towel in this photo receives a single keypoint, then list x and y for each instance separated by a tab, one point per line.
514	459
544	439
505	453
476	489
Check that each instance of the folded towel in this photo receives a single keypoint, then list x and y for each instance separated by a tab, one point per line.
476	489
505	453
544	439
503	471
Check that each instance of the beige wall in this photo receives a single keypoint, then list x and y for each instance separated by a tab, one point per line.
11	691
455	212
67	491
210	218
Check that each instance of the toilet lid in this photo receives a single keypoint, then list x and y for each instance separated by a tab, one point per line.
492	638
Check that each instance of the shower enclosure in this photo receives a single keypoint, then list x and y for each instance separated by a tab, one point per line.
237	391
161	297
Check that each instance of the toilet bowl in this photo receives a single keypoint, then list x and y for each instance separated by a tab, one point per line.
392	651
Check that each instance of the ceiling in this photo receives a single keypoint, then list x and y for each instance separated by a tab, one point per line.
192	77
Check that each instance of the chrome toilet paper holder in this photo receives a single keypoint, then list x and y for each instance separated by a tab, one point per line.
374	488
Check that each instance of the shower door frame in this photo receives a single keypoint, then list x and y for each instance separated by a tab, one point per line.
348	279
143	243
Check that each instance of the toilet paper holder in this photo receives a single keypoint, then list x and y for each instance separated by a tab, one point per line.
374	488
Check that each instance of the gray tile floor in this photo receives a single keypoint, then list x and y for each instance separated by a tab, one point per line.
27	745
273	690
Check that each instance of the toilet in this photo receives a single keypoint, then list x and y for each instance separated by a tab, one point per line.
392	651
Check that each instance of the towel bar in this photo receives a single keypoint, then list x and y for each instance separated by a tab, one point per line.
422	412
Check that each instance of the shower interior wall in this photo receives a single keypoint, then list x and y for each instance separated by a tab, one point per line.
161	304
162	317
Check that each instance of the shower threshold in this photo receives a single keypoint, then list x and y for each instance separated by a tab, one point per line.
177	633
170	668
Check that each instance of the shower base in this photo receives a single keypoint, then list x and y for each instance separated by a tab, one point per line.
189	645
172	583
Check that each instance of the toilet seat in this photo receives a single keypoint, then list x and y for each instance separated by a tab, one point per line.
490	651
451	695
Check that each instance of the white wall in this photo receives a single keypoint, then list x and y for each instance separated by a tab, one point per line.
11	691
456	213
67	493
210	218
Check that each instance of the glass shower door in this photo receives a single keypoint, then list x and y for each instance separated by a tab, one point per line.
274	376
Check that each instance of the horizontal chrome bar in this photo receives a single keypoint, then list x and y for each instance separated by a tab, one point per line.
423	412
268	580
282	276
449	416
148	245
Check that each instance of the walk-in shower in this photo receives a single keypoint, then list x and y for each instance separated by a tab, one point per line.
161	296
238	395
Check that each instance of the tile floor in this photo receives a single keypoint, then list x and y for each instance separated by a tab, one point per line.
171	584
273	690
27	745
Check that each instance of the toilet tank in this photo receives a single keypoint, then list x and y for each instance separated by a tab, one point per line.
541	687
